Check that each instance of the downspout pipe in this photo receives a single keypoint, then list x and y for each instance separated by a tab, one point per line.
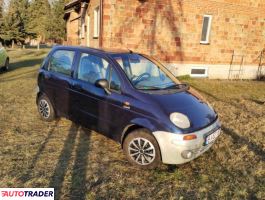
101	25
83	11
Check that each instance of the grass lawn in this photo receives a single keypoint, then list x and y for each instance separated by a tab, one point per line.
82	164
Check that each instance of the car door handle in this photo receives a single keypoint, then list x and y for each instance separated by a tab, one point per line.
77	87
47	76
126	105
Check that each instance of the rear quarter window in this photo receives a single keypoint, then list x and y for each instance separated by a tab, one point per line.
61	62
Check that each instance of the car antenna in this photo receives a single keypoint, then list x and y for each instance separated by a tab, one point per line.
130	50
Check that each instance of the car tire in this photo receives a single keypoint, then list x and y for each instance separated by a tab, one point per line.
45	109
142	149
6	65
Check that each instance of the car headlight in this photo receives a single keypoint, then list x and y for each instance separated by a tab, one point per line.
180	120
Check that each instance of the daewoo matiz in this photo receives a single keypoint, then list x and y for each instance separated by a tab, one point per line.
132	99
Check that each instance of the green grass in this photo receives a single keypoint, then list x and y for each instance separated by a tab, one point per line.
82	164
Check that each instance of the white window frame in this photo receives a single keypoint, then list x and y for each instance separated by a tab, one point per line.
82	30
207	41
205	75
96	22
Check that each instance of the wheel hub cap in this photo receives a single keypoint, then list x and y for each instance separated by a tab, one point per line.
142	151
44	108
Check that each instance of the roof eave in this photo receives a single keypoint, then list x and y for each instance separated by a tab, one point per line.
74	3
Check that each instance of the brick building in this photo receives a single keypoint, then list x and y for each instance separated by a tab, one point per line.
189	36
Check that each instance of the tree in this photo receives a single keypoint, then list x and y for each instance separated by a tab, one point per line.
39	15
1	8
13	23
1	17
23	19
57	28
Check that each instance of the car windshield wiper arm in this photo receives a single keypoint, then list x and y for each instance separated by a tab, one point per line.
178	86
150	88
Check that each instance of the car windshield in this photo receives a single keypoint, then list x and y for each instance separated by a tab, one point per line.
143	73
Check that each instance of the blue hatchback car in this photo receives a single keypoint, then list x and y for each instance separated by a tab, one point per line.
132	99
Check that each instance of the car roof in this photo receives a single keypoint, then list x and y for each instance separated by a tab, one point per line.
96	50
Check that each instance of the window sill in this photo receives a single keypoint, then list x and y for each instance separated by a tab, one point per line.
95	37
204	43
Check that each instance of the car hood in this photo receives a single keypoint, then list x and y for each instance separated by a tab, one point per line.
187	102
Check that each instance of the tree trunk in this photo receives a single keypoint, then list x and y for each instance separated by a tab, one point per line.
13	44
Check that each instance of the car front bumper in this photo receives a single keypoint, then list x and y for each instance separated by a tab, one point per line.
173	148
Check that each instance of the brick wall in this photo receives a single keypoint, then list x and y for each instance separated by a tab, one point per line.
72	29
171	29
73	26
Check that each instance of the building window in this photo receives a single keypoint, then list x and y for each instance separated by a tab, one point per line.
83	28
199	72
82	31
206	28
96	22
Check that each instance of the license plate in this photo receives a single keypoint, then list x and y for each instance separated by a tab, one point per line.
212	137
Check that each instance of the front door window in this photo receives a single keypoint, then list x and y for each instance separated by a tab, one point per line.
92	68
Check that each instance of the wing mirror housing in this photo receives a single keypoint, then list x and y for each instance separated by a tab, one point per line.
104	84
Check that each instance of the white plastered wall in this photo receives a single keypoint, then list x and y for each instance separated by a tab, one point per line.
215	71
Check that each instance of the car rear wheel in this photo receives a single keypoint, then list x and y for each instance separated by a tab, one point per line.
45	108
142	149
6	64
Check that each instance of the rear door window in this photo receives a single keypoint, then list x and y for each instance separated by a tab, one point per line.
61	62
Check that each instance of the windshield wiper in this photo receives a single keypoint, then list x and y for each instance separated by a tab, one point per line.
179	86
149	88
182	86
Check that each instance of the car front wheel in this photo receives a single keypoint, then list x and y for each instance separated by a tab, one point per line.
45	108
142	149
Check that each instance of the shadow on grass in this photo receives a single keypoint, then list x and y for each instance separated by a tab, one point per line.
236	105
63	162
25	63
207	93
243	141
78	182
27	175
22	64
27	74
259	102
171	168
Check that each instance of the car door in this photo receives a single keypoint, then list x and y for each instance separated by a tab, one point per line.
116	109
85	96
57	80
92	106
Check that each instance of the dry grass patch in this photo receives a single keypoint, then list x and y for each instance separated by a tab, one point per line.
82	164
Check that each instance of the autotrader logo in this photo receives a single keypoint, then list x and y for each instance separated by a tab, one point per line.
26	193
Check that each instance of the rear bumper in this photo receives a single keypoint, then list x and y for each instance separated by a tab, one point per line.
172	145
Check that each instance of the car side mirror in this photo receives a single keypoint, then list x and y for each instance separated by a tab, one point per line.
104	84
